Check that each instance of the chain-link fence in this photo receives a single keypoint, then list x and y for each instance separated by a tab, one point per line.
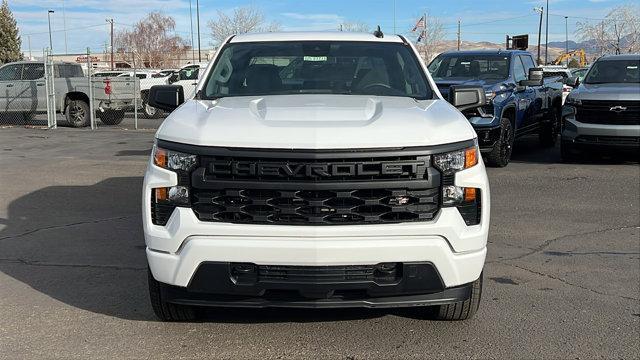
88	91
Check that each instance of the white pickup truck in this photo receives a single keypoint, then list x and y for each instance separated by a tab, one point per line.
316	170
22	91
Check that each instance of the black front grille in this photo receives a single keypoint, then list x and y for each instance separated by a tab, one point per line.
316	207
325	274
608	140
609	112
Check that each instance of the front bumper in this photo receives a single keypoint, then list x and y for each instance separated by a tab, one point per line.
616	137
217	284
487	137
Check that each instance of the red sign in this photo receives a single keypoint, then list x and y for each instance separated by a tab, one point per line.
83	59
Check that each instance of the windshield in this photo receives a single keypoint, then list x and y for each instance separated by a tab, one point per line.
466	67
613	71
316	67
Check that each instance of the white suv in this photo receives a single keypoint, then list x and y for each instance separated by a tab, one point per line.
316	170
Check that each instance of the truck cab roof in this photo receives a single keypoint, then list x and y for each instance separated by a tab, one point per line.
488	52
314	36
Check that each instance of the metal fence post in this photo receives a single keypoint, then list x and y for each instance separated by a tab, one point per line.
45	58
91	112
135	94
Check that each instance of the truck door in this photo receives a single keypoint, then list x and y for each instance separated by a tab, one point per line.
525	96
539	106
9	77
31	89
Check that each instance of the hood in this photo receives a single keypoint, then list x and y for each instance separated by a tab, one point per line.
315	122
607	92
443	85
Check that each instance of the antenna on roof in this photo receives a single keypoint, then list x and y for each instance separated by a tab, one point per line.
378	33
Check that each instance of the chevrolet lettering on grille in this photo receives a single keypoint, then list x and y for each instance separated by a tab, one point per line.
317	170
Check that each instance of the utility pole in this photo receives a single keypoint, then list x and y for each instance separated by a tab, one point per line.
566	37
615	29
110	21
198	25
29	39
191	20
541	11
50	38
458	34
546	38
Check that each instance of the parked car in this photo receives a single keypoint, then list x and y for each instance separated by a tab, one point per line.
140	74
603	112
187	77
519	100
345	181
561	73
22	90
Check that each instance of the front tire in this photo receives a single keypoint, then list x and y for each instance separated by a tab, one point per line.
501	153
549	131
166	311
461	310
77	113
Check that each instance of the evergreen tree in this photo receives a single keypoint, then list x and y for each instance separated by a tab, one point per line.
9	38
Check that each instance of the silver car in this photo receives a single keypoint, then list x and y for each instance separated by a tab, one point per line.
603	112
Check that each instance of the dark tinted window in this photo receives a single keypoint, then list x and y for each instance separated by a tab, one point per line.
317	67
614	71
10	72
68	70
463	66
33	71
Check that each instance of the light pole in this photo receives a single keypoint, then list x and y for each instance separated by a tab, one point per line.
198	25
546	38
50	39
541	11
566	37
191	28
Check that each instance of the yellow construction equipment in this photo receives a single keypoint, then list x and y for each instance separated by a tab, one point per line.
579	53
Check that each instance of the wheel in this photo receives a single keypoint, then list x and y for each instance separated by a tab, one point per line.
167	311
501	153
149	111
461	310
77	113
112	117
549	131
568	153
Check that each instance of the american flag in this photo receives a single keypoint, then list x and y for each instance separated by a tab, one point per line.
419	25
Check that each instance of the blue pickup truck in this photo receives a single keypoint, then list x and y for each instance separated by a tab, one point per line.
519	101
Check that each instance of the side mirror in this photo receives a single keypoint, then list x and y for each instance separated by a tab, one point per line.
466	97
536	78
572	81
166	97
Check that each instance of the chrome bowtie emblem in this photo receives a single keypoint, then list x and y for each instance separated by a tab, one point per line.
618	108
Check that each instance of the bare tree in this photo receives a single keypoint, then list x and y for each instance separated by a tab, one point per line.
430	38
356	26
152	41
243	20
618	32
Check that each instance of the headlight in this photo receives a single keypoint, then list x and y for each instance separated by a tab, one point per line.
173	160
573	101
467	200
454	161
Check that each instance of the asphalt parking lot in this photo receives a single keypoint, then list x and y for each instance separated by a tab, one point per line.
562	278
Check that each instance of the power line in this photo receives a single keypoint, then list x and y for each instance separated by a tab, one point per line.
57	31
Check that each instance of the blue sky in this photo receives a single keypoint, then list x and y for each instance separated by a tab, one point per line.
487	20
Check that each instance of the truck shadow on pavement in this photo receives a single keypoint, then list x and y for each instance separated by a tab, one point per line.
83	246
